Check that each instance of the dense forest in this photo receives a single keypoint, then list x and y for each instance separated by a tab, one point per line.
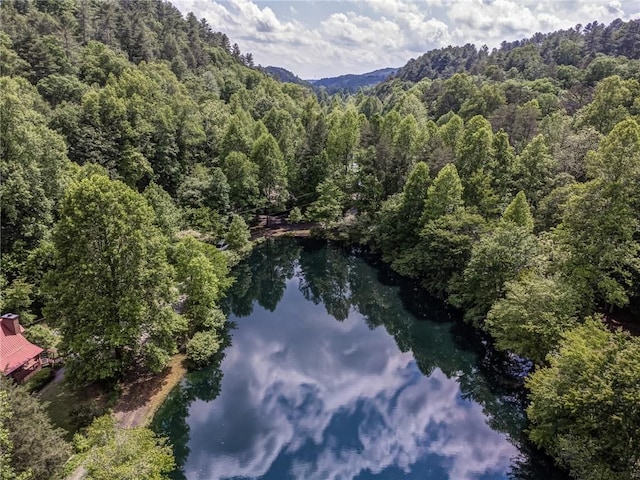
134	140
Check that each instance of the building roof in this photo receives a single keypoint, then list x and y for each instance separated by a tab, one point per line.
15	350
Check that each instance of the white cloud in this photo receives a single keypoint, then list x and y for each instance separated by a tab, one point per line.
354	30
370	34
285	387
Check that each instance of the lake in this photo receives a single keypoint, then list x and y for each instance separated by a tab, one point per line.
338	369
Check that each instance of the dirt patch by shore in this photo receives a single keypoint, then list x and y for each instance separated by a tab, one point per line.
141	397
276	226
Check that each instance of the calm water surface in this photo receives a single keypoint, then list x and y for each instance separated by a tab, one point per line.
337	370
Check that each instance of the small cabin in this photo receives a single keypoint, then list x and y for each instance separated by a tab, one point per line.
19	358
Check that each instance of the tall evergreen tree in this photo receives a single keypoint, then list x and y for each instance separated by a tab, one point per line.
519	212
272	170
444	195
414	198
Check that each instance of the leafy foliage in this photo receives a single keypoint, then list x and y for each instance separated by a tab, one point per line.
500	256
107	452
202	347
532	316
583	405
124	123
519	212
110	293
37	449
327	209
238	235
203	273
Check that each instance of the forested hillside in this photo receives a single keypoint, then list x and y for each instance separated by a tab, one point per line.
284	75
507	182
543	55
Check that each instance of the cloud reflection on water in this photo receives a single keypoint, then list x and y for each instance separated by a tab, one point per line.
305	396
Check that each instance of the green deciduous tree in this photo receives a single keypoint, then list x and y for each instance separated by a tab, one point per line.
17	298
168	215
598	230
584	406
205	187
33	166
111	291
451	130
388	224
533	315
499	257
284	129
7	471
238	235
611	102
455	92
142	125
203	273
443	251
37	448
202	347
600	220
503	166
295	216
43	336
404	150
98	61
414	197
327	209
107	452
244	186
617	160
474	148
236	138
534	170
61	88
343	136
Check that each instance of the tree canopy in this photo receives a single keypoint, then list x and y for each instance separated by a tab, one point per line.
110	292
138	142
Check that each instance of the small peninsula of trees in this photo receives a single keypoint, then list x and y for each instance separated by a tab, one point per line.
507	182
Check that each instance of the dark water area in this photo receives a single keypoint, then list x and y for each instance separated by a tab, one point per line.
338	369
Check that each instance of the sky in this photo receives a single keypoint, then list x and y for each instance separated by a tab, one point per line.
323	38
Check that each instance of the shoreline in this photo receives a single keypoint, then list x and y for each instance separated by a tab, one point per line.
279	227
141	399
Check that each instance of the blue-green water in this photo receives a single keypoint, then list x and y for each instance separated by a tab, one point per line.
338	370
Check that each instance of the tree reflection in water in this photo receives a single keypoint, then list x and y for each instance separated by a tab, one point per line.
307	397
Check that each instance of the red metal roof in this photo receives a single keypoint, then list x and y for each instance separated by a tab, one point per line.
15	350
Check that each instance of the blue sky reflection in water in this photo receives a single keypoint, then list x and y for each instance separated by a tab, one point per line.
304	395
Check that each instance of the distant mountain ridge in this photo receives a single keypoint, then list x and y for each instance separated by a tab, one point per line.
351	83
